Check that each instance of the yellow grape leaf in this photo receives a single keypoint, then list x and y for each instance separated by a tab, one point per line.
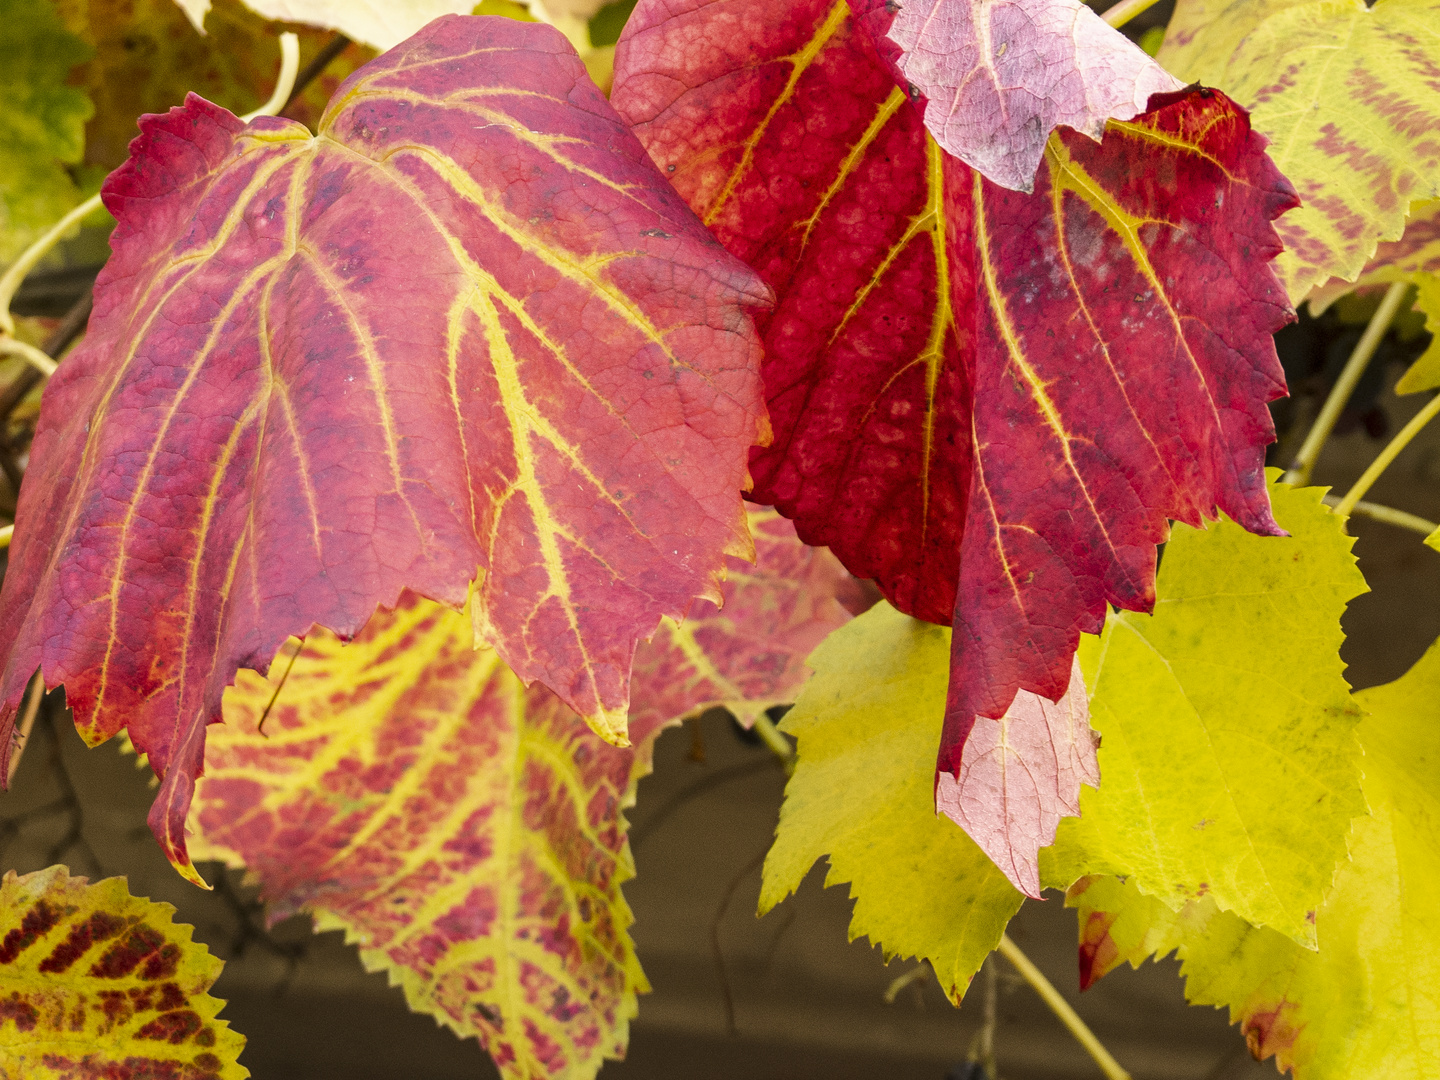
1229	763
96	983
41	122
1347	96
147	56
1415	257
863	794
1366	1004
466	832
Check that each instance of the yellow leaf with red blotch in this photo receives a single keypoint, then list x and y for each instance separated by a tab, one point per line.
96	983
1346	94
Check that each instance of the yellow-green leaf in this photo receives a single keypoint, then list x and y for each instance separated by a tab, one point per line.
863	795
466	832
42	121
96	983
1366	1005
1228	759
1347	96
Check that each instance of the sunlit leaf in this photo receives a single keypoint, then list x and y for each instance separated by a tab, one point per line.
991	403
1346	95
1229	757
381	24
1000	75
862	797
42	122
324	370
467	832
97	983
1366	1005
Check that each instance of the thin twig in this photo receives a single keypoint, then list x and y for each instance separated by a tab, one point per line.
640	832
318	63
1388	514
71	327
20	734
1304	464
1126	10
1379	465
1061	1008
734	886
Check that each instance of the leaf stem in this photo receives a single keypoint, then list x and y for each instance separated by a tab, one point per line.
289	68
5	534
1387	514
1352	497
1061	1008
21	732
770	735
1121	13
1304	464
31	355
15	273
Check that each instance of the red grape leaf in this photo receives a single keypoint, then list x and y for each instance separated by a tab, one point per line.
990	402
1000	75
749	654
468	832
466	334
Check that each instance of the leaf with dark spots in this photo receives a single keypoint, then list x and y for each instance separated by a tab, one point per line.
322	370
62	1018
992	403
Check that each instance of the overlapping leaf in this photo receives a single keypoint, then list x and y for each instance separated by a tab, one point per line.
1365	1006
862	797
147	57
467	832
1415	257
749	654
97	983
42	122
999	76
1346	95
1230	762
989	402
466	335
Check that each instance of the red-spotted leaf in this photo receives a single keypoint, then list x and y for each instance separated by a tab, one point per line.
1029	764
467	832
1000	75
467	334
96	984
988	401
749	654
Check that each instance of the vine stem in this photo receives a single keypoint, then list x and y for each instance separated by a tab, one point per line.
1061	1008
1352	497
1304	464
1387	514
778	744
17	271
1121	13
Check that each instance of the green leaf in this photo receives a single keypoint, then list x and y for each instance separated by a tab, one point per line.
863	793
96	983
1366	1005
1228	760
42	122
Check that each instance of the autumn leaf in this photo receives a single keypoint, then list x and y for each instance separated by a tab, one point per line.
1364	1005
1346	95
147	57
467	832
1229	756
991	403
41	122
323	370
862	797
999	76
748	655
1415	258
96	982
